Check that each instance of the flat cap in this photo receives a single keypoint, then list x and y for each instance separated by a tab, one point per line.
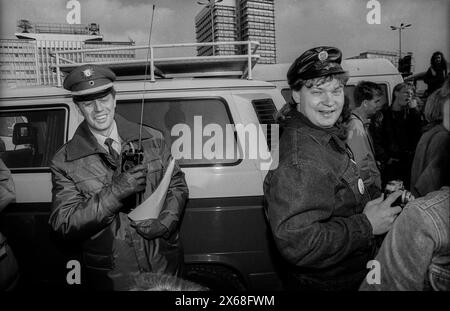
88	82
316	62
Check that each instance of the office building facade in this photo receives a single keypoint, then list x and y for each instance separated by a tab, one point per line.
223	18
242	20
28	60
18	62
256	22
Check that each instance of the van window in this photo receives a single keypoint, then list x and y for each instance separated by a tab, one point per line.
205	137
29	138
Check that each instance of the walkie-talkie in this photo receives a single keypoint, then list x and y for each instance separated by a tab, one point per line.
132	157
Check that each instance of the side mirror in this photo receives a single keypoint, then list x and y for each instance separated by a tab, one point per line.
23	133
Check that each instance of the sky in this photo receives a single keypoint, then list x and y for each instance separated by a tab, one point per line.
299	24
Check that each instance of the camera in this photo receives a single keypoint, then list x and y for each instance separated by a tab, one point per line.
395	185
131	158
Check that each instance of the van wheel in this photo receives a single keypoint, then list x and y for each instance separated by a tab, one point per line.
215	277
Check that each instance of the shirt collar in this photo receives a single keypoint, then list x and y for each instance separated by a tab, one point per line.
114	136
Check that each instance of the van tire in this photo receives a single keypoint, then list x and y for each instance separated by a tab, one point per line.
215	277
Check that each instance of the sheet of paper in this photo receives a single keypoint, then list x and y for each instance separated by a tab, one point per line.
151	207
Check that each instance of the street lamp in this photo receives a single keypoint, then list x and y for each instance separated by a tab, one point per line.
210	4
400	28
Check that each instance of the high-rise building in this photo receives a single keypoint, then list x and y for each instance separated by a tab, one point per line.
242	20
224	26
256	22
28	59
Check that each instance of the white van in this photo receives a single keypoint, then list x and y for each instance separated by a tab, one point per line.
224	232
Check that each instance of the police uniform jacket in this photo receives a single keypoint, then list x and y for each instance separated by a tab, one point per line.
86	210
315	202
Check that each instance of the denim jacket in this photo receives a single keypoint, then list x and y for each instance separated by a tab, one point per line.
415	255
424	176
314	205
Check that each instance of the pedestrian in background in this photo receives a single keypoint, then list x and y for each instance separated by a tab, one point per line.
368	98
396	134
436	73
432	144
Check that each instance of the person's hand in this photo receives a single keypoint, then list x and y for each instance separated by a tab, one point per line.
129	182
412	103
380	213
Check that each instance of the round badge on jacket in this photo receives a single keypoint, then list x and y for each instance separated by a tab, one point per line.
361	186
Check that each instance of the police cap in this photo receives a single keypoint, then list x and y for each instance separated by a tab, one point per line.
316	62
88	82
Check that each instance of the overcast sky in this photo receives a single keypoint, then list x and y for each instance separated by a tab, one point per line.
300	24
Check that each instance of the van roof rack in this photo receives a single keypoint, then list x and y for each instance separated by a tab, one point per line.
168	67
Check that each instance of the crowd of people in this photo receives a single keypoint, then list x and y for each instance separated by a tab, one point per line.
325	201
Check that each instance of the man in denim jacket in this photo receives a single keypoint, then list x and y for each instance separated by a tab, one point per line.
321	216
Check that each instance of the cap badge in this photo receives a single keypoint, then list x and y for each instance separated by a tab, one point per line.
323	56
87	73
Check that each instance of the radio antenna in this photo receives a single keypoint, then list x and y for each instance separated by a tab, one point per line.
145	79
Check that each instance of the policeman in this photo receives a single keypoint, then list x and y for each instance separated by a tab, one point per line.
319	211
92	194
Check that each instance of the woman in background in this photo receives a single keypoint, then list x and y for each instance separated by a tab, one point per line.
437	73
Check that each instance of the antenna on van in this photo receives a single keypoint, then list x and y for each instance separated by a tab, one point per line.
135	157
145	79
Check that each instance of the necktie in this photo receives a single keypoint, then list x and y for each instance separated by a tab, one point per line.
115	156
